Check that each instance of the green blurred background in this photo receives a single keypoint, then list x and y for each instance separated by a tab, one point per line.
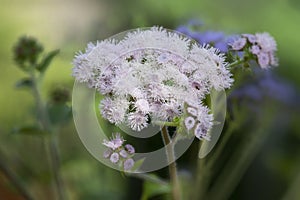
68	25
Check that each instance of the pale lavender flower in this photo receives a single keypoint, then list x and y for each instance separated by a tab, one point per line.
255	49
251	38
137	121
266	42
83	71
142	105
113	109
262	45
123	153
107	153
114	158
238	44
128	164
198	119
115	142
189	123
201	132
130	149
192	111
263	60
117	152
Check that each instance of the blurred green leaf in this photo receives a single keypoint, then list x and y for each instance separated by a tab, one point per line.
29	130
151	188
59	113
137	165
44	64
24	83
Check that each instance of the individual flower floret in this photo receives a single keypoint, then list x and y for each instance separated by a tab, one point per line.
128	164
129	149
239	43
115	142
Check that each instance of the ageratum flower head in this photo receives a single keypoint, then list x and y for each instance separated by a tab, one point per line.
261	45
150	74
118	153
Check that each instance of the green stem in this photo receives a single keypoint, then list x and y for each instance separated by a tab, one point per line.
219	149
235	64
162	123
52	144
202	178
176	193
8	173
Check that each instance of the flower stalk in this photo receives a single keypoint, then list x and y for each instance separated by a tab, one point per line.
176	192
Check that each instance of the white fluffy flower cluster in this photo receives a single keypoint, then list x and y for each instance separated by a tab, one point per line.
117	153
150	74
261	45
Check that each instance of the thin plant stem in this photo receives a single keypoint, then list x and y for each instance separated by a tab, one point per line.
219	149
202	178
52	143
235	64
162	123
176	193
12	177
55	160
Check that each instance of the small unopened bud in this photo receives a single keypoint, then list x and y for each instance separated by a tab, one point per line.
26	52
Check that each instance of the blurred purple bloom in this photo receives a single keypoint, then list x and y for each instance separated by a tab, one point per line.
184	29
215	38
266	85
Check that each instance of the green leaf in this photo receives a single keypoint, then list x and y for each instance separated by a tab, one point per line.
59	113
151	189
137	165
24	83
29	130
44	64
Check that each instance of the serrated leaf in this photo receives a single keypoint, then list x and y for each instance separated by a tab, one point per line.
59	113
29	130
24	83
44	64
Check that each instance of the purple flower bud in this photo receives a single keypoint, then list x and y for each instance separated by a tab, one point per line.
128	164
107	153
255	49
123	153
114	158
130	148
238	44
263	60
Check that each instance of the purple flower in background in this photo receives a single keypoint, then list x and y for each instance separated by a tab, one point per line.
261	45
215	38
266	85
